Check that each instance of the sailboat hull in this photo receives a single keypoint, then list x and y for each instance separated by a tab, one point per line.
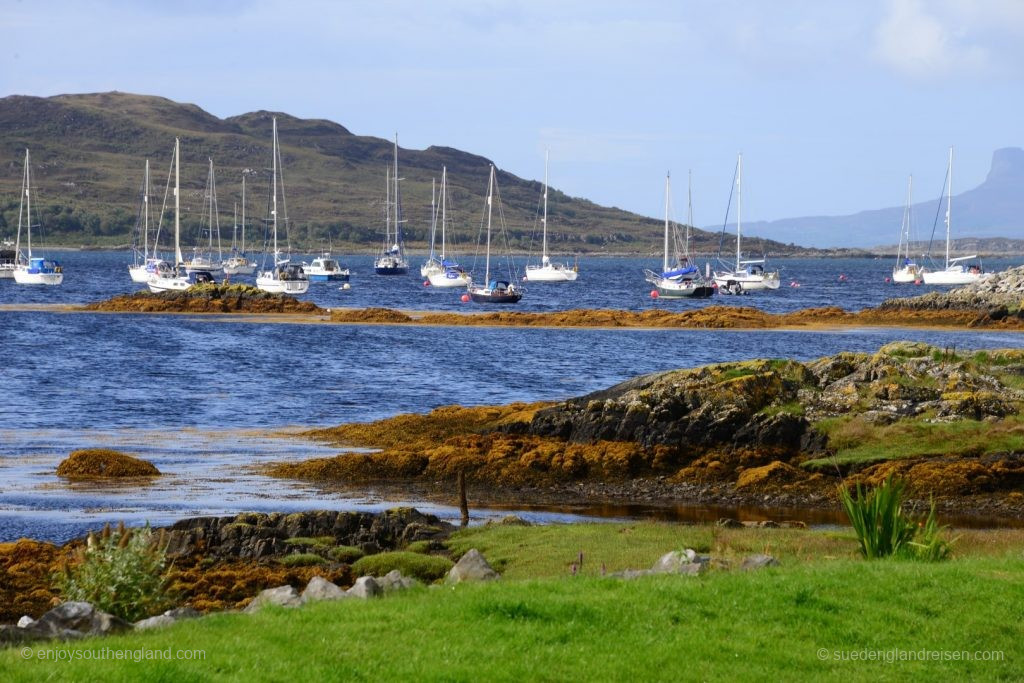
906	275
448	279
951	276
550	273
674	290
749	283
390	270
495	297
140	274
275	286
24	277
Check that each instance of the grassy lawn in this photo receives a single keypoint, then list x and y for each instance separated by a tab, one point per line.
730	625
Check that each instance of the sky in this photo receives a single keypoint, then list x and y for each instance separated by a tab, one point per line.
831	102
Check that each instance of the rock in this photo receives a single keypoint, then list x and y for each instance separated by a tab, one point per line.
282	596
472	567
76	619
365	587
14	635
103	462
509	520
729	523
25	621
758	562
686	562
394	581
320	588
773	474
167	618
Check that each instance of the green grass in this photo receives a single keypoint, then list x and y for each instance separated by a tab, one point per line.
345	553
309	541
858	441
726	626
301	560
423	567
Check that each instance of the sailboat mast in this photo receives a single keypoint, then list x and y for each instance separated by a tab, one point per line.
145	218
433	216
739	207
689	214
274	171
490	204
444	191
215	212
387	210
21	207
544	222
949	203
234	228
398	203
28	201
664	261
178	260
243	213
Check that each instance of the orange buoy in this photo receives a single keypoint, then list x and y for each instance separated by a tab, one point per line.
465	298
654	294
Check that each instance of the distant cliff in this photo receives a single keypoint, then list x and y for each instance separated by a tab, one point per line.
993	209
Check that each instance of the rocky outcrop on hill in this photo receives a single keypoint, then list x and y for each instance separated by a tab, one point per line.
1000	294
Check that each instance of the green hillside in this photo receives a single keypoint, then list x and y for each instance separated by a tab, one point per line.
88	153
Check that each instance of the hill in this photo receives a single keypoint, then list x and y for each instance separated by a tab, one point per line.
994	208
88	153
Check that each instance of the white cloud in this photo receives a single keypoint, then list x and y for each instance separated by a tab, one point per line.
926	42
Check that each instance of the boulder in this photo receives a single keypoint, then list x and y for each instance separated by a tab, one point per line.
25	621
472	567
76	619
15	635
686	562
167	618
365	587
320	588
394	581
759	561
282	596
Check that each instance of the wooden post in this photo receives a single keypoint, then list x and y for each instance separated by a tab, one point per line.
463	503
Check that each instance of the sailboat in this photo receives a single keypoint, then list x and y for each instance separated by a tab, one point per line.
144	264
548	271
8	259
747	275
905	269
450	273
432	264
29	269
284	277
173	278
204	262
238	263
494	291
956	271
392	259
680	279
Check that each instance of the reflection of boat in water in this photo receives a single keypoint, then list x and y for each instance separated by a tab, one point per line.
325	269
956	272
681	279
746	275
495	291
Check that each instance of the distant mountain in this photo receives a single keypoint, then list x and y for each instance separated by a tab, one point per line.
88	153
993	209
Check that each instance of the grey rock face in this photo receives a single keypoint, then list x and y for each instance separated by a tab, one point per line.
758	562
320	588
365	587
394	581
169	617
74	620
472	567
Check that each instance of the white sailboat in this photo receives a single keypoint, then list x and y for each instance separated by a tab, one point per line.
680	278
172	278
204	261
392	260
144	264
449	274
494	291
284	277
432	264
238	263
747	275
29	269
956	272
905	270
548	271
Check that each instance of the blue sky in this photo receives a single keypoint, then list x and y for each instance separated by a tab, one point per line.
832	103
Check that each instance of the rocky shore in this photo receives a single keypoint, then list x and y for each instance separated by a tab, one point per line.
206	298
767	432
998	294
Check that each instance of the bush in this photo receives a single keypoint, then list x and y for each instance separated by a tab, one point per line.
345	553
426	568
316	542
301	560
120	572
883	529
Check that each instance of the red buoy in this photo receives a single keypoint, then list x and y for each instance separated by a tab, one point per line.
426	283
842	277
465	298
654	294
917	282
888	279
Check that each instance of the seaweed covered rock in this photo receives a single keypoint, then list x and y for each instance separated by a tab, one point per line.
208	298
102	462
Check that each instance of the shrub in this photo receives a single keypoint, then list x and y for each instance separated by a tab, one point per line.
345	553
316	542
120	572
301	560
423	567
883	529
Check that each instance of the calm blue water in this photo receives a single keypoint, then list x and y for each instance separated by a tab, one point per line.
196	396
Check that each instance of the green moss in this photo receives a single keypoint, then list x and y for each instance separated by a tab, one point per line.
318	541
790	408
423	567
346	554
301	560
